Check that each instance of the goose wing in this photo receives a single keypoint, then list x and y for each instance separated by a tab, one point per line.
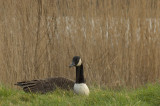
46	85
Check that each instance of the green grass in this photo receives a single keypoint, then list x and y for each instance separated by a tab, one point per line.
145	96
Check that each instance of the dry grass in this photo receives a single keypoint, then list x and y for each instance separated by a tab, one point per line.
119	41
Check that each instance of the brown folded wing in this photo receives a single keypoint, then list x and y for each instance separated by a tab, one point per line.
46	85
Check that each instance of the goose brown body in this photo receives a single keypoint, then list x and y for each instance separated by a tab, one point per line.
46	85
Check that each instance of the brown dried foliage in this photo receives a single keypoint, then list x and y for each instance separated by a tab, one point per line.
118	40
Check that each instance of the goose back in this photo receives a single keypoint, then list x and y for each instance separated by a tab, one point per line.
46	85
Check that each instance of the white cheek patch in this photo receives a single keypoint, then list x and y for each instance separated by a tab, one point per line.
79	63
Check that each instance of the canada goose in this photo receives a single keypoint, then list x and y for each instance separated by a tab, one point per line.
50	84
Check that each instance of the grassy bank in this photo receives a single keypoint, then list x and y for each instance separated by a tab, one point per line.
148	95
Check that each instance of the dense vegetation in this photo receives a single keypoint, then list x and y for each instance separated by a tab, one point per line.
144	96
118	41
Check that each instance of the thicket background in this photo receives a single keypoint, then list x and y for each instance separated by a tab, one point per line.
118	40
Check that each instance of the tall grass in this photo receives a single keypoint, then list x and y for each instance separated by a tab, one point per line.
118	41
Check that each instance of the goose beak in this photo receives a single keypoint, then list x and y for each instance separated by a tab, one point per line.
71	65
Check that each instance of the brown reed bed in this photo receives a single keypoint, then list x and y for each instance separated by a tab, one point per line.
119	41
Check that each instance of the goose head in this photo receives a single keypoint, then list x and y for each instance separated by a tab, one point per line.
76	61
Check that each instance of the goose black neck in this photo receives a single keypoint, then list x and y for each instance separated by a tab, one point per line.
79	74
